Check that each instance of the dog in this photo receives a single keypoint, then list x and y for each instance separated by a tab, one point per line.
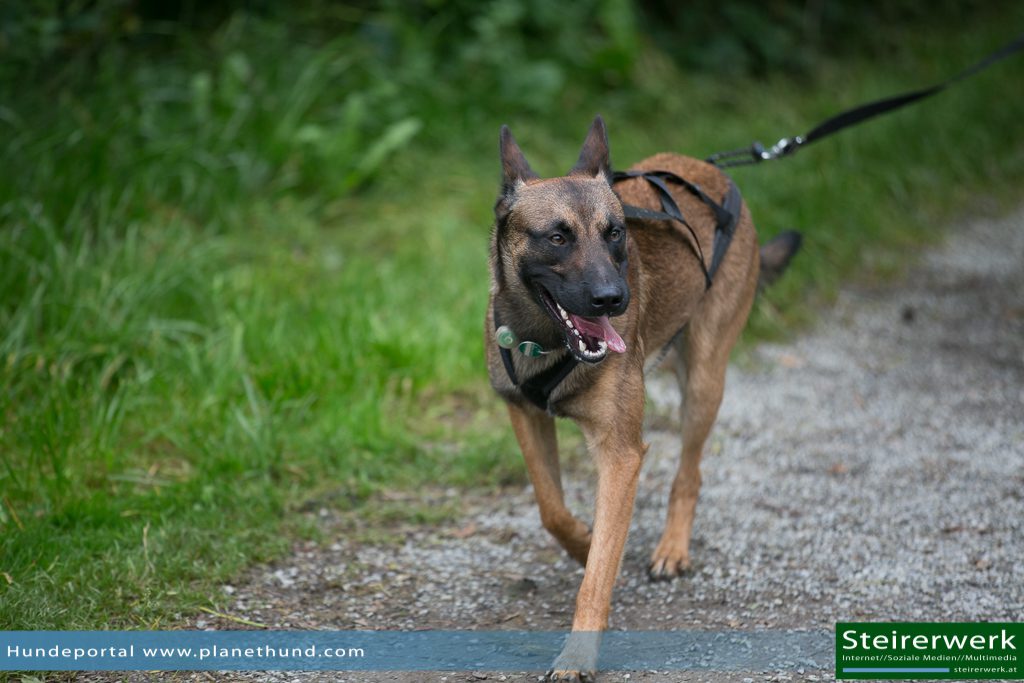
583	299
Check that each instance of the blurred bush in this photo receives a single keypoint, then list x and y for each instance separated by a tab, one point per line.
203	87
523	48
520	51
202	84
757	37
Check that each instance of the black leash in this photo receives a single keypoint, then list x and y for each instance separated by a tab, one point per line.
756	153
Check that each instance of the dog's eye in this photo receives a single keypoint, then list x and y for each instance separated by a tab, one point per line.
558	239
615	234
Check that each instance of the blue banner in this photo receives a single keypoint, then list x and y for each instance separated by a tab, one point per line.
405	650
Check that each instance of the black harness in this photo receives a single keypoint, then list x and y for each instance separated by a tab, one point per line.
538	388
727	214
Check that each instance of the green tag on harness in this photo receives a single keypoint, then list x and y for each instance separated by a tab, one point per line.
531	349
505	337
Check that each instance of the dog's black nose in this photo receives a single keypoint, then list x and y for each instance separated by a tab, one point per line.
606	299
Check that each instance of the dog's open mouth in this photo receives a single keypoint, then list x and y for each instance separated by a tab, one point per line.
589	339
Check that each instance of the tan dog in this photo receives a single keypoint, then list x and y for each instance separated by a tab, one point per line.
582	299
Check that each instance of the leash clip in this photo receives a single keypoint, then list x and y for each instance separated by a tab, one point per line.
782	148
757	153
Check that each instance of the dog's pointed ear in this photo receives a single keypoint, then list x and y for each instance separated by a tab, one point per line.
515	170
595	159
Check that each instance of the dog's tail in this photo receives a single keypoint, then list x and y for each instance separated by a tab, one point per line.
776	254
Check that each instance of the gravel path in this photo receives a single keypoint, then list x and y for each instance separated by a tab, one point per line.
872	469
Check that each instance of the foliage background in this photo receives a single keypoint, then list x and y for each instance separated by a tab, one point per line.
243	244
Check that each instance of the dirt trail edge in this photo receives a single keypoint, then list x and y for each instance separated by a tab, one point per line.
872	469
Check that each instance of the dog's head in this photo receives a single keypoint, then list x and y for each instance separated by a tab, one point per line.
561	245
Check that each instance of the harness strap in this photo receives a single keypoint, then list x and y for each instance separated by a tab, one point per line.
724	230
727	214
638	212
538	388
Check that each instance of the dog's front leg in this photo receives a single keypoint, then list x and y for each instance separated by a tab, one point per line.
619	452
535	432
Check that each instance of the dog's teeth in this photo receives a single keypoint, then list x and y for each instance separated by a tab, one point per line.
565	316
583	347
569	323
602	345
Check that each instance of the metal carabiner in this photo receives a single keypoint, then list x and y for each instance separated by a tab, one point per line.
782	148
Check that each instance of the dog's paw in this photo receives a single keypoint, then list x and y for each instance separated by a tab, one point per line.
668	561
578	660
565	676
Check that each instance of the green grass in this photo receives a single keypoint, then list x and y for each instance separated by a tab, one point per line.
231	287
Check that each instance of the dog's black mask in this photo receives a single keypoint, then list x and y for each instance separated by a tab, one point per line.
585	275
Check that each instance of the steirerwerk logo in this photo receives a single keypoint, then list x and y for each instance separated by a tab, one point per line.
930	650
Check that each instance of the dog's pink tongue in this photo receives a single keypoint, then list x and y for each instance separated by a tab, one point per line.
600	328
